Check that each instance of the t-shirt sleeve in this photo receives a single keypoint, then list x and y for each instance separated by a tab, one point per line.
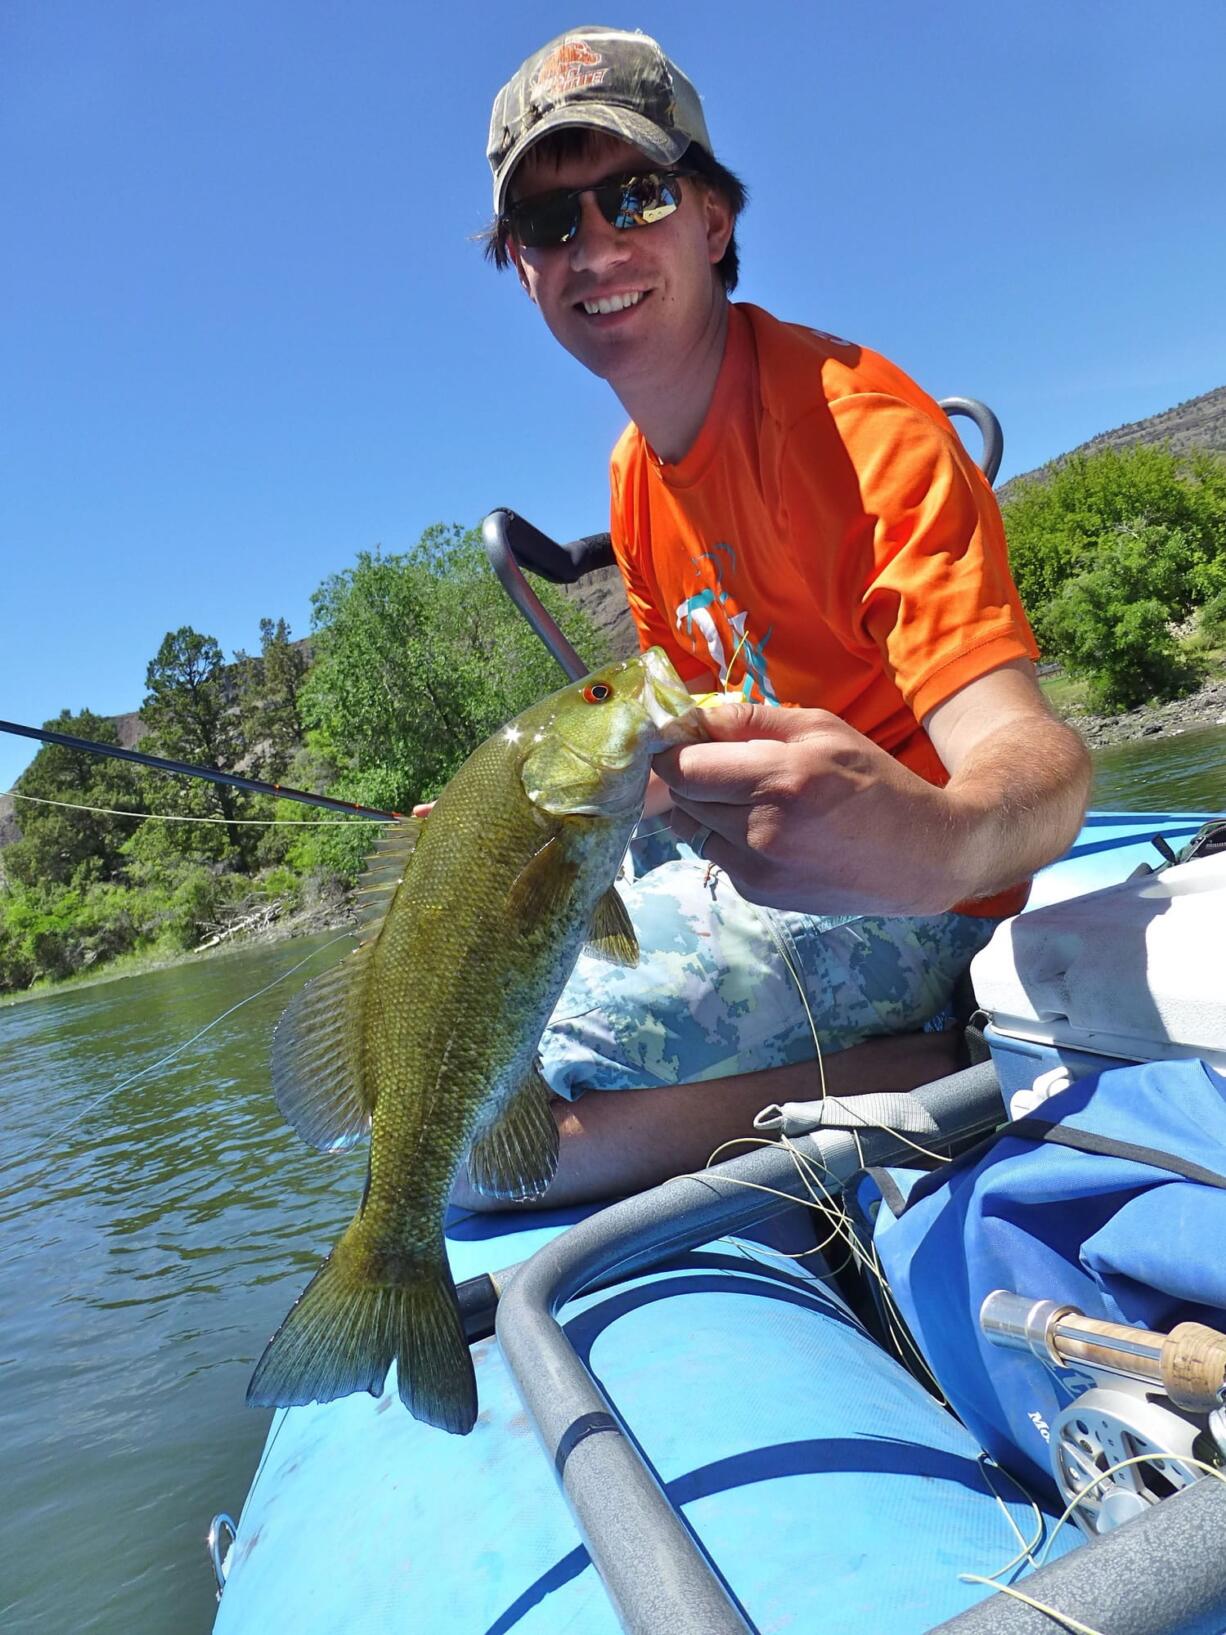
925	568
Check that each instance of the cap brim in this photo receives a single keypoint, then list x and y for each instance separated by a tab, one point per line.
661	146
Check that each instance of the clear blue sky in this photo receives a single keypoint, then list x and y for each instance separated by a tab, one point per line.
244	333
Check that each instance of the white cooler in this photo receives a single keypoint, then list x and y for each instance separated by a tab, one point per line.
1134	972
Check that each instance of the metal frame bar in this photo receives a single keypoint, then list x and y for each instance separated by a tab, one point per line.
1163	1573
495	534
654	1570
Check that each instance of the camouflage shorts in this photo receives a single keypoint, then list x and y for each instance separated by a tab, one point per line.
718	986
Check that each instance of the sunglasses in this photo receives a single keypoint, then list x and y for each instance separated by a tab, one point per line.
553	218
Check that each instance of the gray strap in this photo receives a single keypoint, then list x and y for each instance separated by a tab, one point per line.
885	1110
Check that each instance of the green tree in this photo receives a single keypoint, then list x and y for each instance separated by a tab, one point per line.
267	688
1112	549
191	716
60	843
418	658
1112	622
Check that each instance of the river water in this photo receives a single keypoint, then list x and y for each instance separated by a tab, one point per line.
154	1231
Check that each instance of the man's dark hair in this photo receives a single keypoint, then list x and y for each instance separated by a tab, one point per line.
576	141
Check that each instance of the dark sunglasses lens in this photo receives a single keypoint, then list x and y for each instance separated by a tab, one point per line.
641	200
550	219
630	201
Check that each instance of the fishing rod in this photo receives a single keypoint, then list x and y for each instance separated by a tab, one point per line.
253	786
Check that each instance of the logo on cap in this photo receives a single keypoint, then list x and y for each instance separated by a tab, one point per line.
571	67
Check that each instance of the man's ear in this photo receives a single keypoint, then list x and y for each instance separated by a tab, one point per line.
719	221
513	251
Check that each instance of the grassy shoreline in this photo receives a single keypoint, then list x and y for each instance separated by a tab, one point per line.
1205	707
142	961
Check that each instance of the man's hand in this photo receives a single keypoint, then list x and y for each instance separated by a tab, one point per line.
806	813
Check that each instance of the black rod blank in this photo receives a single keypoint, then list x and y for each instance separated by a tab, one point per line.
254	786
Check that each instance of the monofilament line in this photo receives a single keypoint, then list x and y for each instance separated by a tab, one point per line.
172	817
84	1112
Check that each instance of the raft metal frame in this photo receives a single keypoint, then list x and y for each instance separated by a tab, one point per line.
1163	1573
654	1569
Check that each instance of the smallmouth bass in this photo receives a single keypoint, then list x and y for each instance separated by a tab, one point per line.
426	1035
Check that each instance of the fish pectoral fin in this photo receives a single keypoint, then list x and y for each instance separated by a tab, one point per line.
317	1074
612	935
516	1154
542	888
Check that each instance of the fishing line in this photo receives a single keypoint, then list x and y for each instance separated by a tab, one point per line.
825	1206
171	817
1064	1618
1122	1464
1028	1547
812	1202
869	1262
836	1213
842	1227
760	1254
769	923
123	1084
728	669
836	1101
801	1254
1053	1612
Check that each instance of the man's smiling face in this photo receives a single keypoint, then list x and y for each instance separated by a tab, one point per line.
630	304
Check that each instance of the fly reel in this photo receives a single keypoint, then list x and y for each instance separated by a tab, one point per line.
1101	1430
1152	1421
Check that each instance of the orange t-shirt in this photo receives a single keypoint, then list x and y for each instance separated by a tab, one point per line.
826	542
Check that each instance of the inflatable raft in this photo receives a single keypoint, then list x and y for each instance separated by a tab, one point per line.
684	1428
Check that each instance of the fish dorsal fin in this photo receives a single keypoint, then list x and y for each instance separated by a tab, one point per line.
317	1072
384	871
612	935
516	1153
543	886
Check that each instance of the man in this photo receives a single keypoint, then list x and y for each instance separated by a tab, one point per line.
796	523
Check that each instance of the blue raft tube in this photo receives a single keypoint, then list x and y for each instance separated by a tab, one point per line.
685	1431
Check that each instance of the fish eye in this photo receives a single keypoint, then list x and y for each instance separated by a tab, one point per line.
597	692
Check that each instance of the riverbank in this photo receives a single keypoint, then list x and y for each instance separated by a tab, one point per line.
1206	707
310	922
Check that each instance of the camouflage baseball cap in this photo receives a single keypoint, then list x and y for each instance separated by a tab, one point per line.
606	78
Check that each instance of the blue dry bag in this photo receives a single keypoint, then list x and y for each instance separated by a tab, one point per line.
1110	1197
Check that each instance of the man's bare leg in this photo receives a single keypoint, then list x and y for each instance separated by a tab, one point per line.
614	1143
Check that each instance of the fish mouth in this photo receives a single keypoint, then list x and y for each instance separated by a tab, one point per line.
669	704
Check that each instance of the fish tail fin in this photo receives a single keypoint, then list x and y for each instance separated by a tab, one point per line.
349	1326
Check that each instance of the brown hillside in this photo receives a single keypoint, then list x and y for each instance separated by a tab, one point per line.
1198	423
602	597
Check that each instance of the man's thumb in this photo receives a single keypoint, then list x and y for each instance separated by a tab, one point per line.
737	723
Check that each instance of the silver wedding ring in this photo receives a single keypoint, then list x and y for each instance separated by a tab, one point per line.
699	839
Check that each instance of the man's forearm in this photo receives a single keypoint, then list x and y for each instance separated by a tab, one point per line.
1017	802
